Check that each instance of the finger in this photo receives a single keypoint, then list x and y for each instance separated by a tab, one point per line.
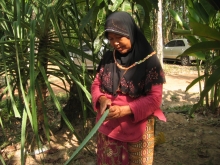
102	110
112	114
111	117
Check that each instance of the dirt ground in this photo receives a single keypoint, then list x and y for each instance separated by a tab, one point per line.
187	141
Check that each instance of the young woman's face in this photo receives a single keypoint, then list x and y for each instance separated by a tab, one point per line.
119	42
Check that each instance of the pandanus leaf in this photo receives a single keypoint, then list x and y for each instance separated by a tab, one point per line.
88	137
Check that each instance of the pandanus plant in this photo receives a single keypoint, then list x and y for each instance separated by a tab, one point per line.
37	37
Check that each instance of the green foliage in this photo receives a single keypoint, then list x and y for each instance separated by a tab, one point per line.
37	38
7	109
204	37
173	98
179	109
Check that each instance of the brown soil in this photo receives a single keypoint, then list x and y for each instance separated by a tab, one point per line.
188	141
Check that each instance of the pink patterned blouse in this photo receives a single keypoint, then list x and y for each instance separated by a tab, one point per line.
129	128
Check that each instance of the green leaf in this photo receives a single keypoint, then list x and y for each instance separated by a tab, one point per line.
56	102
98	2
140	15
147	31
88	137
147	4
216	61
23	136
199	55
126	6
88	18
182	32
194	82
203	46
53	3
2	160
179	20
204	31
115	6
193	16
210	11
201	12
33	75
7	75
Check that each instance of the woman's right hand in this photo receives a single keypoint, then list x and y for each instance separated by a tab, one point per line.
104	103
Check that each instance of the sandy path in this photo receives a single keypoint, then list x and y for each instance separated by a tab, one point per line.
178	82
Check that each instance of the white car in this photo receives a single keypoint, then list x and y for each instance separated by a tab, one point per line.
176	47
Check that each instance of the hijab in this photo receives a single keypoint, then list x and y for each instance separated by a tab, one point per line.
137	80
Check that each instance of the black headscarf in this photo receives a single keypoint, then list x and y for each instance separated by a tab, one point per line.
138	79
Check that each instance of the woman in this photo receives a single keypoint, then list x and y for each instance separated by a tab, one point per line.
129	83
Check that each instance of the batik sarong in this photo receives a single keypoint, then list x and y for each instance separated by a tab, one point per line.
114	152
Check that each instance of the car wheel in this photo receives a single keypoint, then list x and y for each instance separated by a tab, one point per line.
185	61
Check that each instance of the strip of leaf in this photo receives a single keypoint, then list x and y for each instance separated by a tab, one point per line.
88	137
194	82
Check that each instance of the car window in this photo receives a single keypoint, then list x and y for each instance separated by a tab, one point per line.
180	43
170	44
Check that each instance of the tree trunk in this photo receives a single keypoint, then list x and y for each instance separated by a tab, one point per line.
159	32
154	27
72	109
43	62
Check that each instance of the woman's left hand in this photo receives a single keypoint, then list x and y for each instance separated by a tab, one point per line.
116	111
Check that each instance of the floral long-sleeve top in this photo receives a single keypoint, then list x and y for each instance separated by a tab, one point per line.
129	128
